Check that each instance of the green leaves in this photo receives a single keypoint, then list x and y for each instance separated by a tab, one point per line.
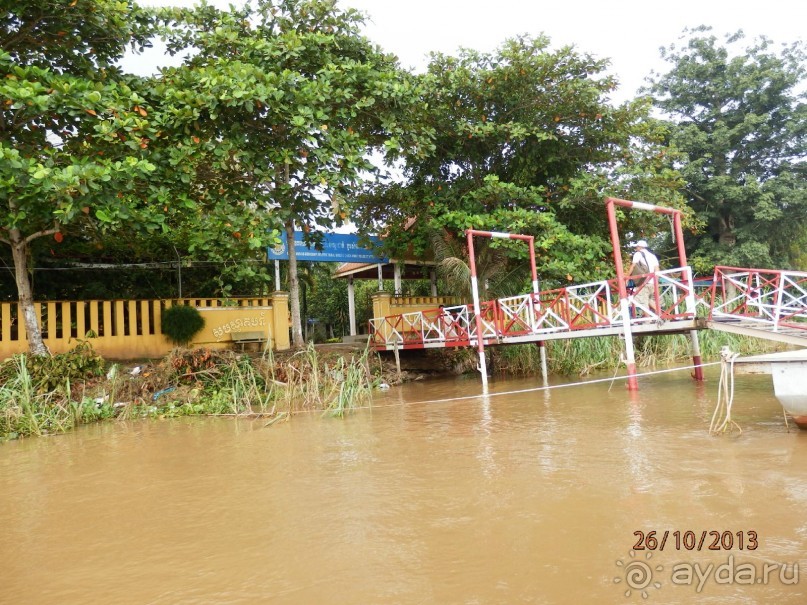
64	38
738	116
521	140
40	174
104	216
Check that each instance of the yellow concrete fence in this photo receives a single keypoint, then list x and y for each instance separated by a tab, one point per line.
130	329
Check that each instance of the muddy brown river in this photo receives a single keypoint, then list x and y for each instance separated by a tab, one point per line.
536	497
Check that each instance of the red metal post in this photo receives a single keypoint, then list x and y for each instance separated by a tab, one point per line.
679	239
682	259
620	270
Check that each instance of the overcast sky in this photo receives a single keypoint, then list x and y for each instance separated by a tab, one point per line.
629	32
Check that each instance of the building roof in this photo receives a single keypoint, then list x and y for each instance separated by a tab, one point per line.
411	269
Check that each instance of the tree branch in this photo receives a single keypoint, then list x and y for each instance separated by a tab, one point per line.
44	233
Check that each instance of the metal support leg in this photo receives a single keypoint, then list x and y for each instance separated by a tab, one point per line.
633	383
696	355
544	372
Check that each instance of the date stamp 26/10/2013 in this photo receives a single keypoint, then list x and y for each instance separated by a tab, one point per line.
696	540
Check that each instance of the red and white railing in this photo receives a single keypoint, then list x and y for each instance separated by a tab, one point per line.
766	296
529	316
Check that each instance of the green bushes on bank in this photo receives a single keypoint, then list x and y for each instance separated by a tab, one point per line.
181	323
41	395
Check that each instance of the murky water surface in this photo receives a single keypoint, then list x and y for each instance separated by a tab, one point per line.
525	498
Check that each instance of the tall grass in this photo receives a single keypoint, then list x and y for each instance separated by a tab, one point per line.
26	410
19	408
584	355
353	385
187	382
309	382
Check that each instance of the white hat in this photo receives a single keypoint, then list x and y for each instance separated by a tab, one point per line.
640	244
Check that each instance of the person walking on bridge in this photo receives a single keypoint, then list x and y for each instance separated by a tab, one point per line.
644	262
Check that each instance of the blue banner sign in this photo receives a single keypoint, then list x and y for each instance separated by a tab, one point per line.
336	248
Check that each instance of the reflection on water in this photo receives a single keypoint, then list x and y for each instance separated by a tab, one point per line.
525	498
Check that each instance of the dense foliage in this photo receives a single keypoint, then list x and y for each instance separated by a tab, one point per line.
71	129
739	116
280	104
526	141
283	116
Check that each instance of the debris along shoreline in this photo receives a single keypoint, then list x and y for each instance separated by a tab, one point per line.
48	395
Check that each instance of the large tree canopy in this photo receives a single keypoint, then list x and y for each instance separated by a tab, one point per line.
280	104
526	141
71	128
739	117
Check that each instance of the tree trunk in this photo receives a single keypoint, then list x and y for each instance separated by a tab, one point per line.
19	250
297	341
725	230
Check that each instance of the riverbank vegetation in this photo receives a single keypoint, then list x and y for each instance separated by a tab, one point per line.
208	161
47	395
44	395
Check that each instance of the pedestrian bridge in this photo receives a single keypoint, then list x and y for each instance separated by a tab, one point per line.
763	303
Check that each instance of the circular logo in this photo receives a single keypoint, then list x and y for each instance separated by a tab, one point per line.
638	575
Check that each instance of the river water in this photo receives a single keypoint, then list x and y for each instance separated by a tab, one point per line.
532	497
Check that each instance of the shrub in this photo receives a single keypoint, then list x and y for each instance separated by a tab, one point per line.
181	323
49	372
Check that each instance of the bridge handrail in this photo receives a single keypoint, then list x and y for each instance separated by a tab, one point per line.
579	307
769	296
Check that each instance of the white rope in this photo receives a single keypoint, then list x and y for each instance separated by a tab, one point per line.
517	392
549	388
725	394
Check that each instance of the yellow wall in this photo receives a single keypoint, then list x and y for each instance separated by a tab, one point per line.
410	304
385	304
130	329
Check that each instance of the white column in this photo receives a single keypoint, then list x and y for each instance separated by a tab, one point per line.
480	341
630	360
351	305
396	269
541	344
433	277
380	278
277	276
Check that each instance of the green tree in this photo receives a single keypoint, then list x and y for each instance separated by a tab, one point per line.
526	141
281	103
739	116
71	128
327	300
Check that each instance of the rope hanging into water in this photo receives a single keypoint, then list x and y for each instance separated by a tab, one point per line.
725	394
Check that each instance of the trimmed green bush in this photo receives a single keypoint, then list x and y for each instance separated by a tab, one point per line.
181	323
